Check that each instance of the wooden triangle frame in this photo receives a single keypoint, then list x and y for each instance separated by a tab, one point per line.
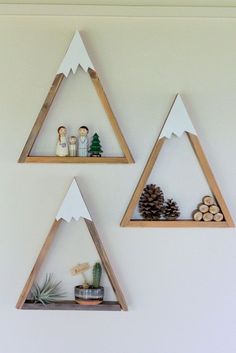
170	126
76	56
64	214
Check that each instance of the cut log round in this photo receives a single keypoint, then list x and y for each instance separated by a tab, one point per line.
197	215
214	209
203	208
207	217
208	200
218	217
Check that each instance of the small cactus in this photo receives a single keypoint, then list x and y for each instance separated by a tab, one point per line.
97	272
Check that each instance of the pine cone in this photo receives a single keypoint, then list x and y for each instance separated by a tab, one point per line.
171	210
151	202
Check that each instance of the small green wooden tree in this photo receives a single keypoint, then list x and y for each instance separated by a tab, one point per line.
95	147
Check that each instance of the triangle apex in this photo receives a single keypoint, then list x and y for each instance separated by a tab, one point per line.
75	56
177	121
73	205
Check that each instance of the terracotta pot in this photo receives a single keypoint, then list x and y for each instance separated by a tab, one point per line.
89	296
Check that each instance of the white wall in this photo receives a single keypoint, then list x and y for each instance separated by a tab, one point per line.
179	283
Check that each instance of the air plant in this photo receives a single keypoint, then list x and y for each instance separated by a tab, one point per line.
49	292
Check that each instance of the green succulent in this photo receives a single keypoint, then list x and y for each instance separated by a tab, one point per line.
49	292
97	273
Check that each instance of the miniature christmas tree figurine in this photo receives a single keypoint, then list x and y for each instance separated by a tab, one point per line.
95	147
171	210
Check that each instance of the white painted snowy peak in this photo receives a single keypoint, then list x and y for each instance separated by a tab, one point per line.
73	205
76	55
178	121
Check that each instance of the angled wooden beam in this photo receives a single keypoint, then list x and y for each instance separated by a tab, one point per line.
101	251
106	263
43	252
177	122
210	178
41	117
106	105
142	182
73	207
76	56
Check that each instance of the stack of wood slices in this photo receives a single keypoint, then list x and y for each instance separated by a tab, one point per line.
208	211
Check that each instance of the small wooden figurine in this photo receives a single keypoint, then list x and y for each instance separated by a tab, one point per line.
72	146
83	141
62	145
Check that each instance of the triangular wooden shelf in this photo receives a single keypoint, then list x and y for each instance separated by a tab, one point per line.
76	56
73	207
177	122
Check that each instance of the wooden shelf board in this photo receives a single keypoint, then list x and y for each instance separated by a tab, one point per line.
56	159
182	223
72	305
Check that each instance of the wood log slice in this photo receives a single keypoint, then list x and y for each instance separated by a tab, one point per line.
208	200
203	208
207	217
218	217
214	209
197	215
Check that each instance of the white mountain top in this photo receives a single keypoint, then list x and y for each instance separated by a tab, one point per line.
73	205
76	55
178	121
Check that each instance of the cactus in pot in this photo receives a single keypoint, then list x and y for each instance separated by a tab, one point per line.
97	273
92	295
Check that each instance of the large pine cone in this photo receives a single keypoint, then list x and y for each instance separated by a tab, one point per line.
151	202
171	210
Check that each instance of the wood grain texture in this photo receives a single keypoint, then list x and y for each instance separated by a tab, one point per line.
214	209
25	155
207	217
142	181
126	220
145	175
218	217
43	252
106	105
208	200
210	178
72	305
106	264
56	159
175	224
41	117
197	215
203	208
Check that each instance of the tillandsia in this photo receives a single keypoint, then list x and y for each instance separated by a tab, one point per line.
97	273
49	292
